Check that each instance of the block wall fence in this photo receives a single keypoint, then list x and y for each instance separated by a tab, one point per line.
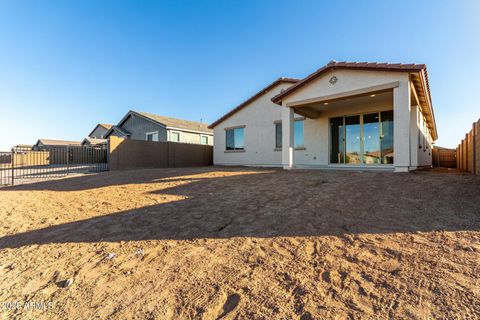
130	154
468	151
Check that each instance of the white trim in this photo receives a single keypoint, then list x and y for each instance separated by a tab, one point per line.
188	130
152	133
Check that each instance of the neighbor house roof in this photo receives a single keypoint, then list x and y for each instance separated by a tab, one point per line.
118	129
93	141
104	125
53	142
169	122
421	81
177	123
252	98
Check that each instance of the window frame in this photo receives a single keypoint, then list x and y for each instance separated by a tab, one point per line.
279	122
152	133
235	149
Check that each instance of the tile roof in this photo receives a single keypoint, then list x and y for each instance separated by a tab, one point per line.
176	123
252	98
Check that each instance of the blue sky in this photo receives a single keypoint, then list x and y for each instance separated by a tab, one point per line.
67	65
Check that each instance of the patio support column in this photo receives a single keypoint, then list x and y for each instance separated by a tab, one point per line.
401	126
287	137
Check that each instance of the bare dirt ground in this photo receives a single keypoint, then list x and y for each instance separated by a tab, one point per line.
238	243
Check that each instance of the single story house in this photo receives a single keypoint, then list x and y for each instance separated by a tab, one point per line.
99	131
151	127
45	144
88	141
344	115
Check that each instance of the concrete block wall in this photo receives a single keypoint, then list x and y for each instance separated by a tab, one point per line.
130	154
468	151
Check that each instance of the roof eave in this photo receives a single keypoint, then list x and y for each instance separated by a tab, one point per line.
251	99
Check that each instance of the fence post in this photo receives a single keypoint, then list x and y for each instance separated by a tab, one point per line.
68	160
13	164
108	154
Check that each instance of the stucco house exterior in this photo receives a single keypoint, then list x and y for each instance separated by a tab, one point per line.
151	127
344	115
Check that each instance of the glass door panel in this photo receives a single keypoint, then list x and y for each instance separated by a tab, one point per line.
337	138
371	138
352	140
386	137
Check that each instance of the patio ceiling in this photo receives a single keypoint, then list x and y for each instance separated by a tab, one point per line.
314	109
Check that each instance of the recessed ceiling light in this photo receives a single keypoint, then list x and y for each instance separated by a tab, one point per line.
372	95
325	103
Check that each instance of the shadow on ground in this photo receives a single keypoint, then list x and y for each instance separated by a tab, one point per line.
270	203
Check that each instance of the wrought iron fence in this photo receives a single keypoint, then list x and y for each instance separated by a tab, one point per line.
23	164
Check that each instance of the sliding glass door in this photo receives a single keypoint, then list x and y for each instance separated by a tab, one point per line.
371	138
352	140
362	139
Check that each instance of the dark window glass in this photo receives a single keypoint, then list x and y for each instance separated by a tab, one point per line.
230	140
337	140
278	135
235	139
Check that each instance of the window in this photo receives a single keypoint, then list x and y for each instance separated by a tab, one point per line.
203	139
151	136
424	135
175	136
298	134
235	139
278	135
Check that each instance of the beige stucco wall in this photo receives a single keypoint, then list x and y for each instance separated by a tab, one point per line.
424	146
258	119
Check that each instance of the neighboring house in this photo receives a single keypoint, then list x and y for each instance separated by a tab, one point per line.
93	142
45	144
344	115
99	131
150	127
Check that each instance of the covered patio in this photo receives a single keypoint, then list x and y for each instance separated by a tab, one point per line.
359	116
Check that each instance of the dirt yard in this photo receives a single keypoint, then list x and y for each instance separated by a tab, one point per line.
233	243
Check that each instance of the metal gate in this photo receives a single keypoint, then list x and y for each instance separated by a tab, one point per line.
22	165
